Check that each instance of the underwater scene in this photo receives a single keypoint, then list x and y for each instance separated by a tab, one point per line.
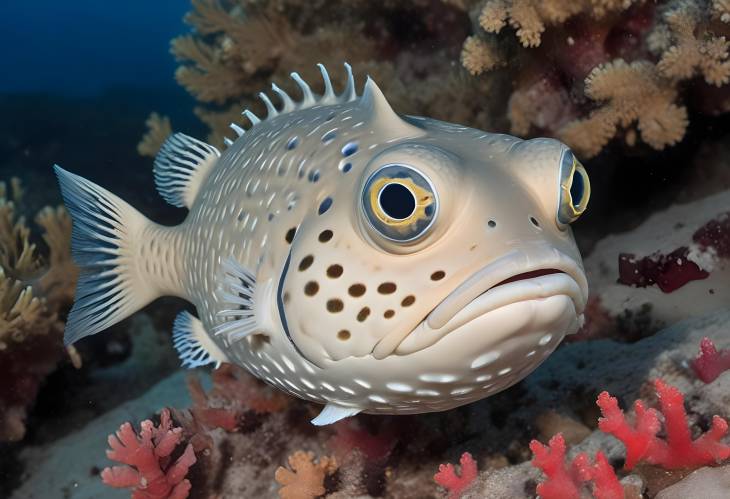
365	249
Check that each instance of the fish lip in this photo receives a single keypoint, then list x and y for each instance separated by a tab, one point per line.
503	270
497	273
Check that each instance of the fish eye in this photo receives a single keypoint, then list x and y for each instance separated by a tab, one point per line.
575	189
399	202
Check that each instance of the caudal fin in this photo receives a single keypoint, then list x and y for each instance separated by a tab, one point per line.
105	231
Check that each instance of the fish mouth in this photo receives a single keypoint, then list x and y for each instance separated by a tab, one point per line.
519	276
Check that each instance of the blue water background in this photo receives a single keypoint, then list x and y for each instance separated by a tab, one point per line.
83	47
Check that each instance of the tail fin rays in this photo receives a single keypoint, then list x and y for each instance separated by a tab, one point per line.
105	230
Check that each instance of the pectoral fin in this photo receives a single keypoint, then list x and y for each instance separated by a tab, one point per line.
333	413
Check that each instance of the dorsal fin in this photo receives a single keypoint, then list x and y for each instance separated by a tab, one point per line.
180	168
309	99
380	112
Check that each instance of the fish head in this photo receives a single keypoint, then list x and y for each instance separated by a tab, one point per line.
450	233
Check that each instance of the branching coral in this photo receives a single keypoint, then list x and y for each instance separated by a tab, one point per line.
150	470
478	56
33	291
531	17
565	480
239	47
710	363
631	93
721	8
685	54
158	130
305	479
457	484
628	57
235	394
642	442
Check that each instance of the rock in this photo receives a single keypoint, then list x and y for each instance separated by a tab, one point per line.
664	231
707	483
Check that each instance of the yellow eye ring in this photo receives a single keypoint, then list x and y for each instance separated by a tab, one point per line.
399	203
575	189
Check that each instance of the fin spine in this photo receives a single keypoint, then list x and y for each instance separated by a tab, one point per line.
309	98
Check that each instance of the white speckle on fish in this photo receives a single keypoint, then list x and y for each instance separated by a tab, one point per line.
346	254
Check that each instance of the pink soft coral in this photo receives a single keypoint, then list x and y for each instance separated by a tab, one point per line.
642	443
710	363
457	484
564	481
149	470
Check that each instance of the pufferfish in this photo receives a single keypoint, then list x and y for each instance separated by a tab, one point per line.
346	254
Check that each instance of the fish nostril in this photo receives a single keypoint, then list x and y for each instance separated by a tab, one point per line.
491	224
534	221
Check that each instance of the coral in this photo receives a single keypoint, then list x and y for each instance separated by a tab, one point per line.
721	9
643	444
478	56
235	395
34	290
457	484
239	47
305	479
150	471
349	436
631	93
687	54
158	130
530	17
710	363
565	480
590	70
670	272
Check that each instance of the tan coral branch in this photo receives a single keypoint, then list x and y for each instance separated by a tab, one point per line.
158	130
689	53
478	56
305	479
630	93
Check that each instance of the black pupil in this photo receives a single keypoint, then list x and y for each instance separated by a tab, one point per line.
397	201
576	189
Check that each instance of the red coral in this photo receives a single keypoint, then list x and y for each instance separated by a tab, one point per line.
565	481
234	392
670	272
673	270
149	469
456	484
709	363
349	435
642	443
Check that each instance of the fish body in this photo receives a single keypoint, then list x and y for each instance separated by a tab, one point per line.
348	255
